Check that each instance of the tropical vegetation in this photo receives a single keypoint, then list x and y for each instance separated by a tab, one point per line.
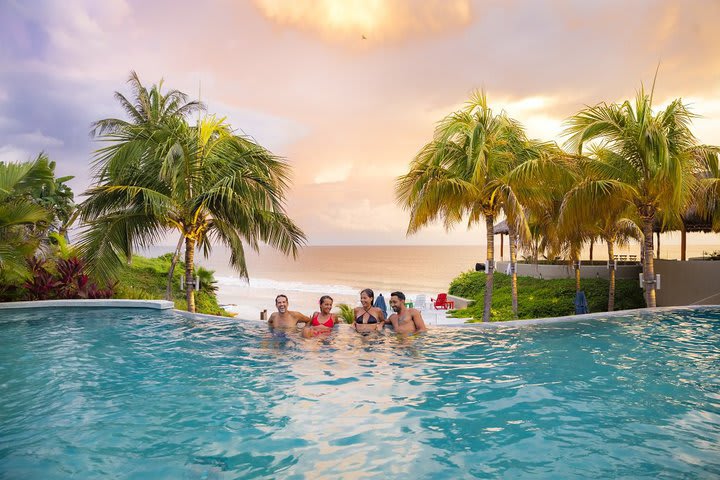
33	204
624	171
458	175
541	298
160	174
159	171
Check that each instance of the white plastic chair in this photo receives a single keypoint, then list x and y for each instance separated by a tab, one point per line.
421	302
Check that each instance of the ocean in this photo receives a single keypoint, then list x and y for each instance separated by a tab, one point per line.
342	271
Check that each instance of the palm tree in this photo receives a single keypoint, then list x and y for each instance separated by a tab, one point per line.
596	200
707	196
204	182
150	108
648	161
457	175
515	192
19	214
541	182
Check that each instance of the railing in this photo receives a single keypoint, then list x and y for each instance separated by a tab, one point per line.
626	258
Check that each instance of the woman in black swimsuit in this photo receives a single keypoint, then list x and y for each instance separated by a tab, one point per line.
367	317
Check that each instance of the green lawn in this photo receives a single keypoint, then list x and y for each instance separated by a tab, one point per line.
539	298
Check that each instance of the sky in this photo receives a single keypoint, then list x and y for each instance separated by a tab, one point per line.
347	91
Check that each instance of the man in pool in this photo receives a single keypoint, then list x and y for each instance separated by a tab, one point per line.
284	318
405	320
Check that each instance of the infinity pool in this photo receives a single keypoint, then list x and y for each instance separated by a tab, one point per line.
113	393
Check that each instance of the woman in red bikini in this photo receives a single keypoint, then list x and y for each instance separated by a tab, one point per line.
322	321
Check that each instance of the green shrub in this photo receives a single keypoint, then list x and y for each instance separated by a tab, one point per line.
146	279
539	298
347	313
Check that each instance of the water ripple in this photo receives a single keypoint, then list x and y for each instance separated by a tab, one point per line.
114	393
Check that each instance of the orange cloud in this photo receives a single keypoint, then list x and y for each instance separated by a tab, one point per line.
370	20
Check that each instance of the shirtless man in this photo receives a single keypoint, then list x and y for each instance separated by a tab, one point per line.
284	318
405	320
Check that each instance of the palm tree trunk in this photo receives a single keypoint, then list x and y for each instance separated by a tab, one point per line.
173	263
611	264
489	219
513	268
128	259
576	263
592	245
189	273
683	242
648	263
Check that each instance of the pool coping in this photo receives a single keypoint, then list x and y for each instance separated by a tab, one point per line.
581	317
90	303
166	305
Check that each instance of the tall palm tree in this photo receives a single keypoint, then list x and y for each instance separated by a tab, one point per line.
515	192
457	175
150	108
203	181
607	211
648	162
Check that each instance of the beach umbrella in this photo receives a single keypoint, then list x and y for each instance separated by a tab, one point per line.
380	303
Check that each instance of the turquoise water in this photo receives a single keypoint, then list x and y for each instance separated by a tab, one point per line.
142	394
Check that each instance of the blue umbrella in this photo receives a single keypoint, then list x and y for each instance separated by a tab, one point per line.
581	305
380	303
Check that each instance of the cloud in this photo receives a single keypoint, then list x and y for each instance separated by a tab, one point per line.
12	154
36	139
274	132
369	21
347	114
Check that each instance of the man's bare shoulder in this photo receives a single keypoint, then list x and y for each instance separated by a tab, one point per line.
415	312
298	316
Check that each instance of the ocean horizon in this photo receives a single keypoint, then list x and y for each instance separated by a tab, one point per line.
341	271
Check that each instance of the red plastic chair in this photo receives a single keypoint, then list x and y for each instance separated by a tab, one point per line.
441	302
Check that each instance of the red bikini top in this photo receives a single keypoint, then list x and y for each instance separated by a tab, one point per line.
316	321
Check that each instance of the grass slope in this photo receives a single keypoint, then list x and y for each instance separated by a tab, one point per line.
538	298
145	278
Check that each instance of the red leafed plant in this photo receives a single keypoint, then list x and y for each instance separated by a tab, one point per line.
69	281
43	284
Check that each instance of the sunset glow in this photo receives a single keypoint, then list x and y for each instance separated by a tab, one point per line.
371	20
347	113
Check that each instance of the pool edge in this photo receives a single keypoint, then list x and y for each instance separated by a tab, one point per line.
577	318
89	303
165	305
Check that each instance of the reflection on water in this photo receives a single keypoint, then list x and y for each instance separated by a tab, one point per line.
156	395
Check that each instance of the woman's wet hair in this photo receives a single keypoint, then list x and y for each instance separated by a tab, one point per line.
325	297
369	293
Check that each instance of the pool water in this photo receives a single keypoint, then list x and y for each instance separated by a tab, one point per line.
113	393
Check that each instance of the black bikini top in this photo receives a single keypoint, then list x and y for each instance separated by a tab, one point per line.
371	318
